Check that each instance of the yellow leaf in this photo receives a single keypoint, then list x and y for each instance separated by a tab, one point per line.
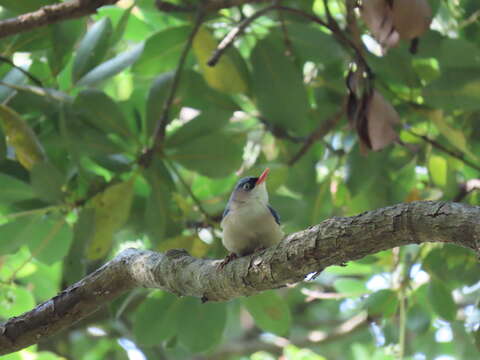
28	149
437	167
112	208
191	243
224	76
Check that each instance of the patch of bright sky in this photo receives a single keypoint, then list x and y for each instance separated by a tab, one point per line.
132	350
379	282
444	333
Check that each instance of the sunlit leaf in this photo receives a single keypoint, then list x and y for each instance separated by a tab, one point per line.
437	166
15	300
224	76
20	136
112	208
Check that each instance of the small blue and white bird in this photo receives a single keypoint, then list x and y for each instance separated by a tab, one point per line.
249	223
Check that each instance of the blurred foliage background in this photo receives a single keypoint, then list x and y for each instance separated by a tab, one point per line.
80	107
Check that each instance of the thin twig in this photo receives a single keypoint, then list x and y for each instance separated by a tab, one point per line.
437	145
286	38
279	132
235	33
323	129
23	71
209	218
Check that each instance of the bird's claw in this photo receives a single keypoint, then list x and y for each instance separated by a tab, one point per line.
228	258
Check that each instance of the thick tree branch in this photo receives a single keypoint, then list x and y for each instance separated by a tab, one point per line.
334	241
51	14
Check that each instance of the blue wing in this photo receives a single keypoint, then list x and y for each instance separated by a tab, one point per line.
272	211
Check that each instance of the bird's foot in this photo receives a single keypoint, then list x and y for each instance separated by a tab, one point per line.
228	258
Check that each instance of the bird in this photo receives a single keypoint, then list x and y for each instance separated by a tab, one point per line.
249	223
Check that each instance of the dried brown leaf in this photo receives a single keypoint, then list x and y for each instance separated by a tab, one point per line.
378	16
381	120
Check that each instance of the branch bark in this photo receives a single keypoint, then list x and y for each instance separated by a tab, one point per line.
333	242
51	14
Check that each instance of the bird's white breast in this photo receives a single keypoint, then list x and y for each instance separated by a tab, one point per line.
248	227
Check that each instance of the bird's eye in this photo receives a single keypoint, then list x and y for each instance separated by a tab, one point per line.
247	186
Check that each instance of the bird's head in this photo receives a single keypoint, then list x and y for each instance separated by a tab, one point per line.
251	189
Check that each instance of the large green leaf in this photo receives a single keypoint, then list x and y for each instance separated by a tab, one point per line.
156	319
63	36
278	88
112	66
25	5
15	300
440	297
16	233
195	318
207	122
13	77
269	311
456	89
215	155
382	302
92	48
14	189
102	112
47	182
157	96
162	51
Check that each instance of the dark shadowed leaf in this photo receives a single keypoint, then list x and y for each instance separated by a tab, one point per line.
157	96
14	189
24	5
195	318
63	35
269	311
382	302
92	48
215	155
278	88
112	66
440	297
47	182
83	231
418	319
156	319
102	112
13	77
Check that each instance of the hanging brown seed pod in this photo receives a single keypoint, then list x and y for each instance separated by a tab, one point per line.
411	18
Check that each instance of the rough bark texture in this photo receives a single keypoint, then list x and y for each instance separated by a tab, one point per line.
333	242
51	14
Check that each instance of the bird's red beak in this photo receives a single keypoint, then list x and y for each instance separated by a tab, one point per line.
263	177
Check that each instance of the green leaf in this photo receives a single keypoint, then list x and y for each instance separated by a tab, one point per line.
207	122
50	239
16	233
313	44
162	51
224	76
15	300
156	319
63	37
13	77
382	302
121	25
112	208
269	311
350	287
20	136
47	182
418	319
440	297
83	231
157	96
3	146
215	155
14	189
459	52
111	67
456	89
102	112
438	169
195	318
278	88
92	48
